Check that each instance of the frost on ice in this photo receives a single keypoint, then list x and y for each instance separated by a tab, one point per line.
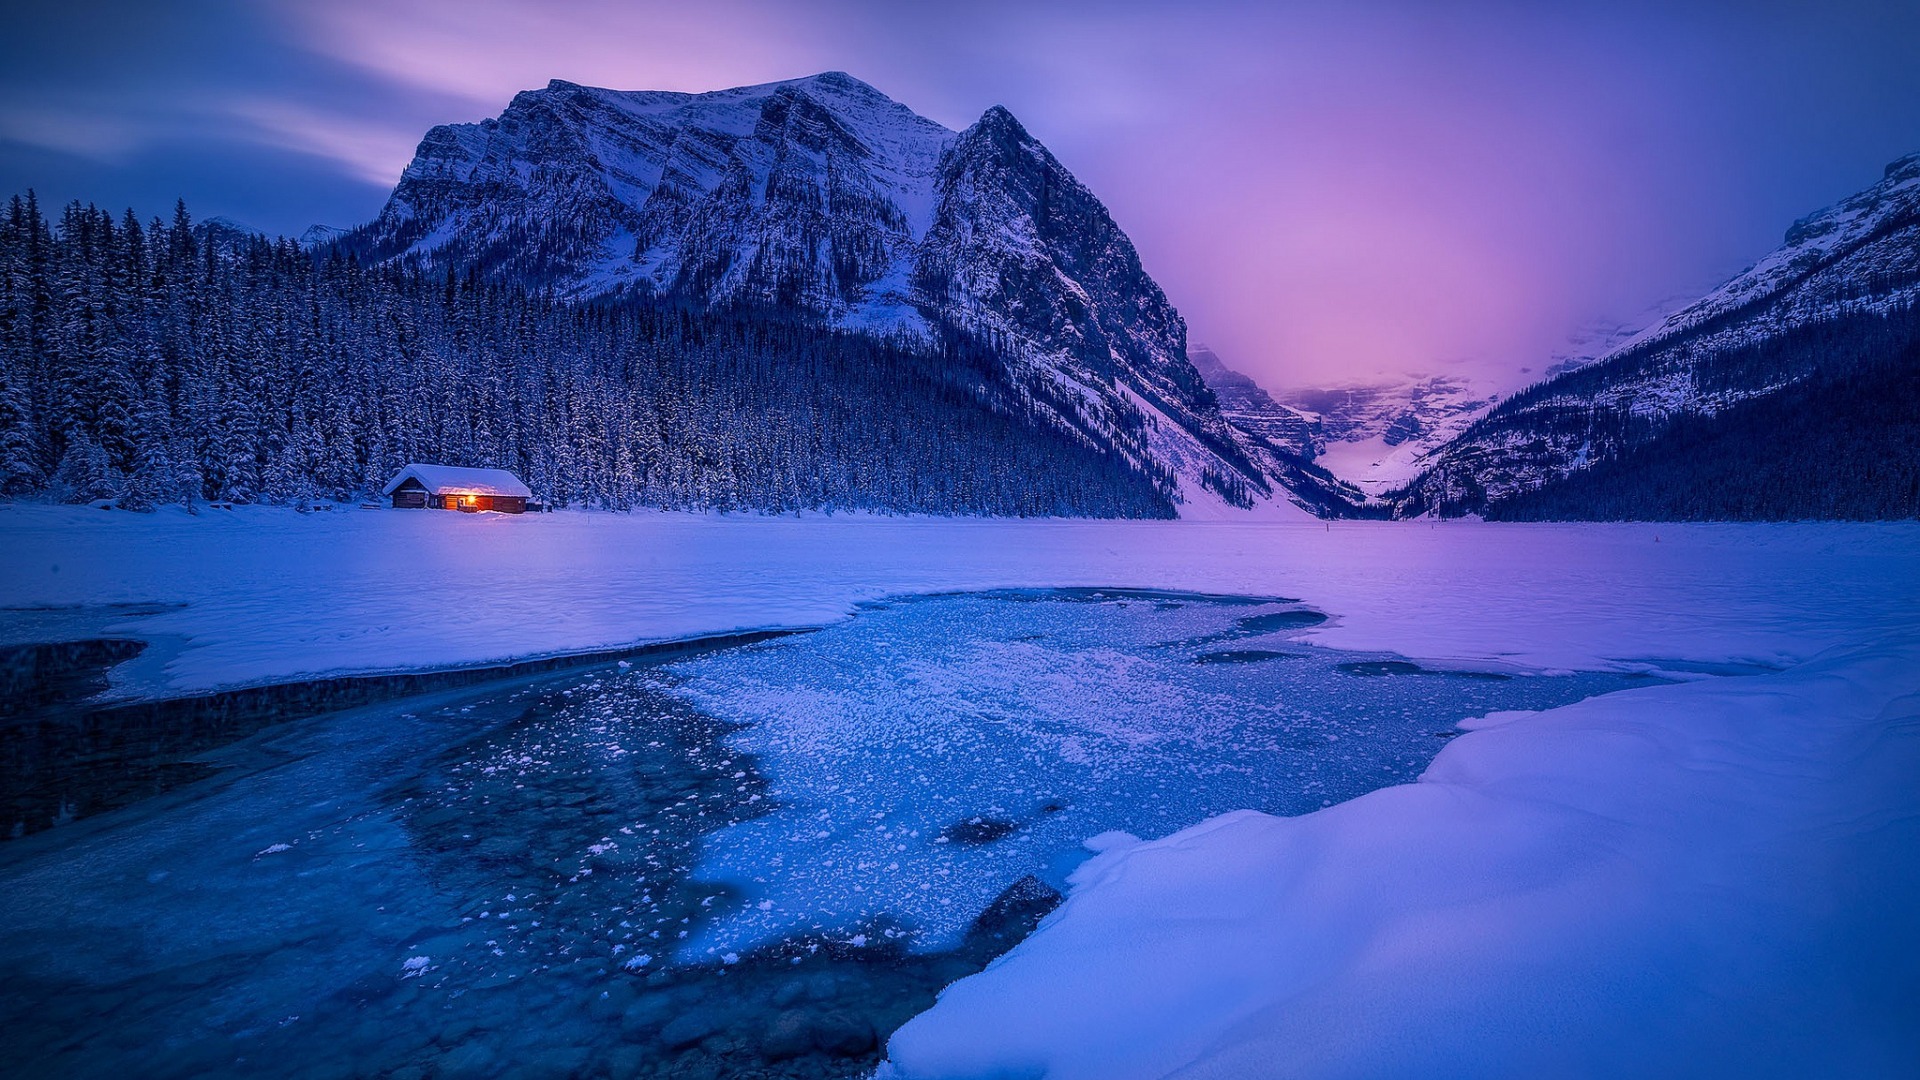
934	751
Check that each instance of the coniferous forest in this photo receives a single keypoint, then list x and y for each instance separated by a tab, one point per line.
1840	440
157	362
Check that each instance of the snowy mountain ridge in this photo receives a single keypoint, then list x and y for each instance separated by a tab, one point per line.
1248	406
1839	286
823	196
618	188
1872	230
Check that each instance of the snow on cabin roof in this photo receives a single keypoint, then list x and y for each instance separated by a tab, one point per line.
453	480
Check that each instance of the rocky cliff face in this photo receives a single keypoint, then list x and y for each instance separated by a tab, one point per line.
1250	408
823	197
1839	274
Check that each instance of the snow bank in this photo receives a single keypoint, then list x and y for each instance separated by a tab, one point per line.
1715	878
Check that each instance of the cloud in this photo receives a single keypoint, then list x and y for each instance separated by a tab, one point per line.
103	135
482	51
375	150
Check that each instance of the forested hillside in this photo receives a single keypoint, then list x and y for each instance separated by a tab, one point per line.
1678	423
1841	441
157	362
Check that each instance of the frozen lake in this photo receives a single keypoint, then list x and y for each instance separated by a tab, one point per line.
926	755
763	858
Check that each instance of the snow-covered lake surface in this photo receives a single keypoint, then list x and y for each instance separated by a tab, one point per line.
1709	878
266	594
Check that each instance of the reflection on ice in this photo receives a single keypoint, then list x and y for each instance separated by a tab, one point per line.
925	756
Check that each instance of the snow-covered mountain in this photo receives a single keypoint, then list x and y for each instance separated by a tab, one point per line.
225	233
318	236
1377	435
1369	438
821	196
1281	439
1250	408
1813	324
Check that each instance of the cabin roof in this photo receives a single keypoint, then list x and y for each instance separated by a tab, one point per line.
453	480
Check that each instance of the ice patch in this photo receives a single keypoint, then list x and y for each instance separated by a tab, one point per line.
1111	840
924	757
1494	719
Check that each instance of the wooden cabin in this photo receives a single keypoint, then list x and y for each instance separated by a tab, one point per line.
447	487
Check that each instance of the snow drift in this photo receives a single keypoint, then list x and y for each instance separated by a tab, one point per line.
1711	879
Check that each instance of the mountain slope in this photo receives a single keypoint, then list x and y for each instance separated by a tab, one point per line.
1827	313
1840	444
822	197
1250	408
1281	439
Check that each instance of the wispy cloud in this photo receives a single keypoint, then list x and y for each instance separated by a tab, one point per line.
371	148
375	149
106	135
483	51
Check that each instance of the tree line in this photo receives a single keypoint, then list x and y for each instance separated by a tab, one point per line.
1840	441
160	361
1833	433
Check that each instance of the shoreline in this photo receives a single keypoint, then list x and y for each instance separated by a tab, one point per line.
170	732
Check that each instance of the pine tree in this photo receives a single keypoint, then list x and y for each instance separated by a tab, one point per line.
154	475
84	473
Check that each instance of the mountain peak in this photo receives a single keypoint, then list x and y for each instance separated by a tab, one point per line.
1000	122
824	197
1811	244
840	80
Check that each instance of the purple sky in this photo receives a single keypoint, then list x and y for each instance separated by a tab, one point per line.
1327	191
